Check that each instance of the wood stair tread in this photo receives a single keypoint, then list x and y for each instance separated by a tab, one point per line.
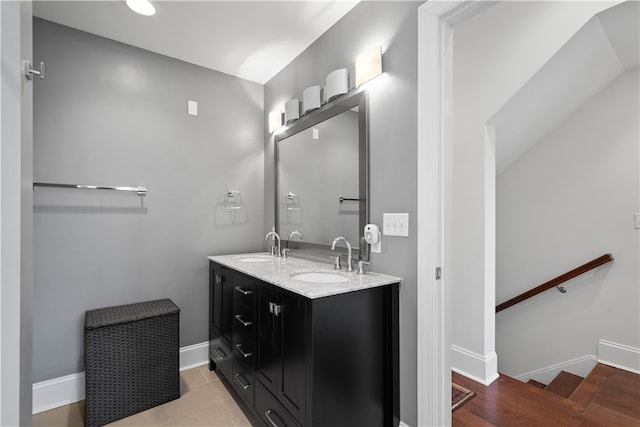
590	386
564	384
536	383
606	397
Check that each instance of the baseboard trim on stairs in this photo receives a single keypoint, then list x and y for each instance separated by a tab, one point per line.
579	366
56	392
619	356
482	369
609	353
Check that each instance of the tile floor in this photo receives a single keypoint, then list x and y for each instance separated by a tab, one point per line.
204	401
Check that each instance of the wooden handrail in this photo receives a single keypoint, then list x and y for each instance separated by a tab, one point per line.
557	281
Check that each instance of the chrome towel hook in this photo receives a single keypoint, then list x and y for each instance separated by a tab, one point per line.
29	71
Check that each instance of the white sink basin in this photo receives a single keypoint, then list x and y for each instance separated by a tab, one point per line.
255	258
320	277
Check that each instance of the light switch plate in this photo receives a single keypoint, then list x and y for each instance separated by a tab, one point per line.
395	224
636	220
192	108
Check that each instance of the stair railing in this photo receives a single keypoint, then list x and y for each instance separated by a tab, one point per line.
556	282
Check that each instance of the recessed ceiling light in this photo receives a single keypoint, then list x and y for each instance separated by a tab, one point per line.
143	7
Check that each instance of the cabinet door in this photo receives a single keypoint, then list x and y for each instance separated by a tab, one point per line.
268	366
292	384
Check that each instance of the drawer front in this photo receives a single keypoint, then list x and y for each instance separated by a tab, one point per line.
243	294
221	356
270	411
243	381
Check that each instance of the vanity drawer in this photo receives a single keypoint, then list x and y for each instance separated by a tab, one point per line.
243	381
270	411
221	356
243	294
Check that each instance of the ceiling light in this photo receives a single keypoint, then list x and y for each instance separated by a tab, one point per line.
143	7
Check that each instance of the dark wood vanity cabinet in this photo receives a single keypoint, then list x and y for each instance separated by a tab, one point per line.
281	357
296	361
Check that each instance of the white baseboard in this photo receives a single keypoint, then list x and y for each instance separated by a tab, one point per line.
403	424
194	355
580	366
609	353
482	369
65	390
619	356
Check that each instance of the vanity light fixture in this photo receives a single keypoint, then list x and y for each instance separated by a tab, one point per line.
291	110
368	65
275	120
142	7
311	99
337	83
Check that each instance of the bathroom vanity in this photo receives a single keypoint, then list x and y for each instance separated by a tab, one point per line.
303	344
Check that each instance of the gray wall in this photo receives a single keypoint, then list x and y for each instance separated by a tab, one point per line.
393	142
111	114
580	208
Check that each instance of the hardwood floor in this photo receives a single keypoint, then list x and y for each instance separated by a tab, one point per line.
607	397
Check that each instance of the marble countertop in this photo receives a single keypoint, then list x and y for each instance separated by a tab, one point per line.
279	271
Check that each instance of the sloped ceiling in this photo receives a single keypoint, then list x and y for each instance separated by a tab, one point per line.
253	40
605	47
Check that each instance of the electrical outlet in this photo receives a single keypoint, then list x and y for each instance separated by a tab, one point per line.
395	224
377	247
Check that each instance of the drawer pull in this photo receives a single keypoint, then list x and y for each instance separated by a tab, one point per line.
221	354
243	322
270	416
243	291
245	354
242	381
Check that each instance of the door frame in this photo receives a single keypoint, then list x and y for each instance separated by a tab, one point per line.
436	22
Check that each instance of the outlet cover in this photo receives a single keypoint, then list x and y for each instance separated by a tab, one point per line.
377	248
395	224
192	107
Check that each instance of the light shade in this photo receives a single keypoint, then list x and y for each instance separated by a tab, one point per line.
337	83
275	121
368	65
311	99
143	7
291	110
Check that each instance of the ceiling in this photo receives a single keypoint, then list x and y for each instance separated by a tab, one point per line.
252	40
607	46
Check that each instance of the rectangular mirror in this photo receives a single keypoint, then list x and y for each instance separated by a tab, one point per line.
322	178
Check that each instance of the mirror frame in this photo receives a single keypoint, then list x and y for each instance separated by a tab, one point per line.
355	98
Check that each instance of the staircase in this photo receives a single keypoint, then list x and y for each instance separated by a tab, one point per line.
606	397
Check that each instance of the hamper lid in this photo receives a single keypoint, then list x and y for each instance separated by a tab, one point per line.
109	316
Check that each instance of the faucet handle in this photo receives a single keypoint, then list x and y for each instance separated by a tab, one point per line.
336	262
284	252
361	265
272	250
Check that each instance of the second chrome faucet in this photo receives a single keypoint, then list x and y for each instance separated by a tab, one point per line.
349	259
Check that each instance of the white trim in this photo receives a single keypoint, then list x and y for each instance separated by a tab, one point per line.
403	424
58	392
65	390
194	355
435	71
482	369
619	356
580	366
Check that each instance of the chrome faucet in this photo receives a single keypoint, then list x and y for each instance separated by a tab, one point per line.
333	248
296	233
275	250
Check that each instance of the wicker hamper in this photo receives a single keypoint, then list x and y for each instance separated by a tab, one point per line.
131	355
